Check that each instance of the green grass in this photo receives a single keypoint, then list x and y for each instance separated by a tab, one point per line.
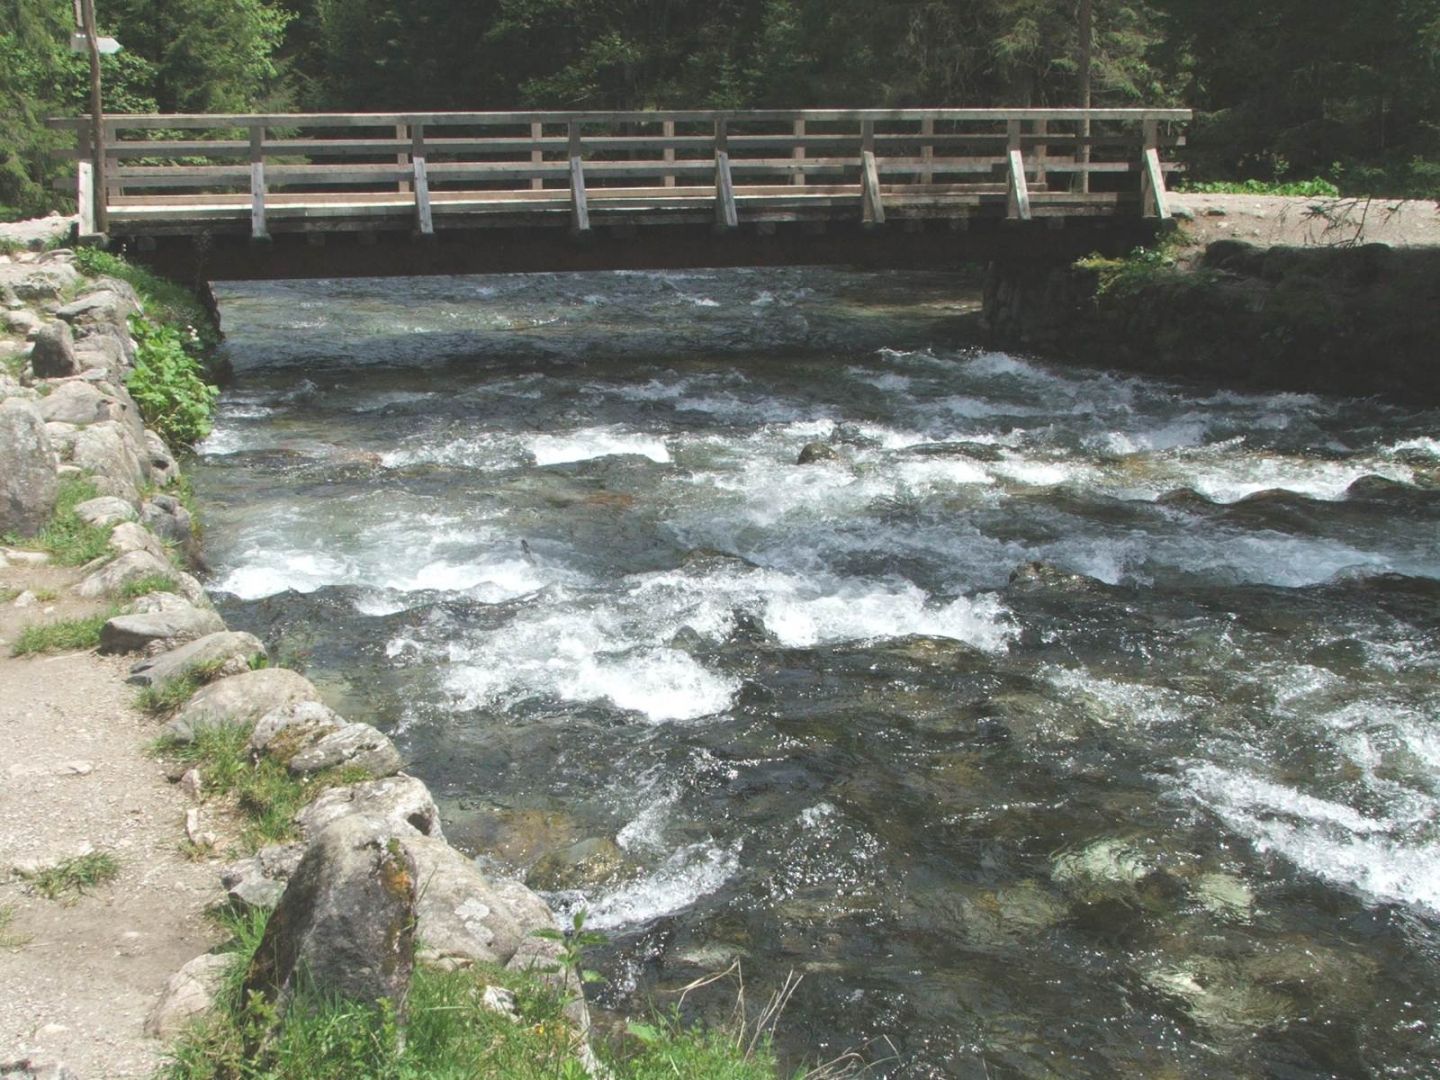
1313	188
68	540
74	877
10	246
13	365
167	697
8	594
64	635
265	794
150	583
8	938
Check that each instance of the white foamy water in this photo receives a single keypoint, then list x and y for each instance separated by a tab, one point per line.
594	443
684	877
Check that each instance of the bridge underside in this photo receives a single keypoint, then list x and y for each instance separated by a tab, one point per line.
367	251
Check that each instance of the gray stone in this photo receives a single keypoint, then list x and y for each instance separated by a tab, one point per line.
106	510
129	536
105	307
817	451
219	654
359	745
34	1065
465	916
28	484
346	922
77	401
46	281
163	468
239	700
133	633
112	578
585	864
104	354
54	352
284	732
154	602
170	521
62	438
108	452
401	800
190	993
259	881
23	322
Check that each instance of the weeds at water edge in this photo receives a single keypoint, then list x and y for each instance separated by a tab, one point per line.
75	877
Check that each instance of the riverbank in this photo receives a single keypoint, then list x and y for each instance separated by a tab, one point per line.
1267	292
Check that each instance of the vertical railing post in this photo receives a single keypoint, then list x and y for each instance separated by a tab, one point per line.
423	219
1018	201
726	214
798	153
667	129
84	181
927	150
402	134
579	206
258	229
1042	154
537	155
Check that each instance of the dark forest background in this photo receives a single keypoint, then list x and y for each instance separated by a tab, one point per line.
1348	90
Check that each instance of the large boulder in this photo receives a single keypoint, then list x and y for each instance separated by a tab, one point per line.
129	536
358	745
217	655
163	467
135	633
239	701
108	452
259	881
38	281
345	926
400	800
54	354
106	510
189	994
282	733
114	577
28	483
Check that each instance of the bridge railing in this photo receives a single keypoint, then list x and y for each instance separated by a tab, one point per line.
298	167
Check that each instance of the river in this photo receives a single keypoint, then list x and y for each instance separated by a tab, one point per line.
1052	723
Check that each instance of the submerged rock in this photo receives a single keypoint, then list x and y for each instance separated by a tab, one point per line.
812	452
590	862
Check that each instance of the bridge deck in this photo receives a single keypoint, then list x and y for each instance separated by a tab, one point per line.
423	172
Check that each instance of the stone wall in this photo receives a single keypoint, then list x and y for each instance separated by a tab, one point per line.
1353	320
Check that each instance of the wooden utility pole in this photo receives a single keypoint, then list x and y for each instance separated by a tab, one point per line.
1087	31
97	114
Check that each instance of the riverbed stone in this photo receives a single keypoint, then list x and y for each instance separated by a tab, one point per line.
54	353
359	745
219	654
259	881
587	863
239	700
106	510
402	800
28	482
346	923
190	993
134	633
813	452
112	578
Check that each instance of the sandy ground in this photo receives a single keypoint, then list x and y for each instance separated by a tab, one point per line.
74	776
1266	220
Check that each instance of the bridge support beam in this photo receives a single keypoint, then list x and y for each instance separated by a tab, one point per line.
874	209
726	215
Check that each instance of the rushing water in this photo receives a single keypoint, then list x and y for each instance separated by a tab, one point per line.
1165	806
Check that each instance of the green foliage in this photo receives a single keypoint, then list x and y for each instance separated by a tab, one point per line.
669	1047
1314	188
150	583
165	301
168	384
1143	266
72	878
575	941
61	636
69	540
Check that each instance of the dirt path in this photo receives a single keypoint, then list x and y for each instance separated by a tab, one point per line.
1266	220
74	776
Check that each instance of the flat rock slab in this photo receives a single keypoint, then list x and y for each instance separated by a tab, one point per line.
112	578
217	654
359	745
400	800
106	510
132	633
240	700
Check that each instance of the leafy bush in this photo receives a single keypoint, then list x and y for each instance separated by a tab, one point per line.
164	300
1315	188
168	385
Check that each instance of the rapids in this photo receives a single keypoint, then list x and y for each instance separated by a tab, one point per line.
1059	724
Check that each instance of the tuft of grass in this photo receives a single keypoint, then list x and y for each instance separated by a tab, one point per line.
13	365
47	596
1315	188
264	793
8	594
166	698
8	938
74	877
64	635
150	583
10	246
69	540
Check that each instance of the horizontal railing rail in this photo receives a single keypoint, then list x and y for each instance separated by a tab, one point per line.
156	165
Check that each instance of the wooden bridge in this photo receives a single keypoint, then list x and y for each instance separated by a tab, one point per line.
690	186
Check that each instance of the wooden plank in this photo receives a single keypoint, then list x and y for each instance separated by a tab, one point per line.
579	208
423	219
402	158
725	213
1042	151
1152	182
258	230
85	196
797	131
668	128
874	207
927	149
537	155
1018	204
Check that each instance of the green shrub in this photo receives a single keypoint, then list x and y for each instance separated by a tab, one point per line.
168	383
1315	188
164	300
